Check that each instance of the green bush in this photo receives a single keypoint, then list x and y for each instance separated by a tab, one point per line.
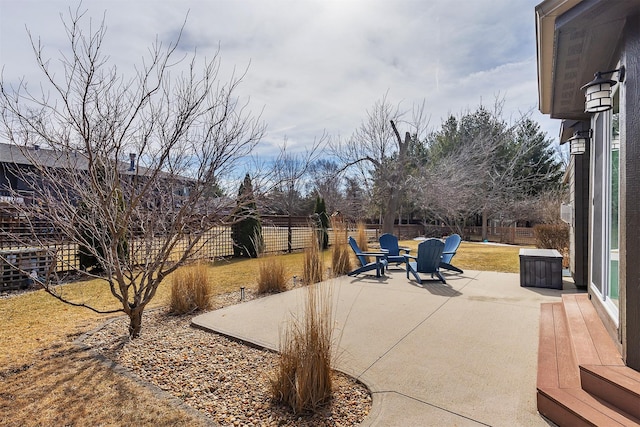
322	223
246	231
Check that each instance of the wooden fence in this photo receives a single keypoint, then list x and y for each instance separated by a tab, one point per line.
18	262
280	234
510	235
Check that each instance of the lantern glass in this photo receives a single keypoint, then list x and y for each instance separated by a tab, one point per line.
598	98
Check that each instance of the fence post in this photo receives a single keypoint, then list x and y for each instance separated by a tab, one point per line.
289	234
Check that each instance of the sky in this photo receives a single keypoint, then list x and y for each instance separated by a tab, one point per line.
317	67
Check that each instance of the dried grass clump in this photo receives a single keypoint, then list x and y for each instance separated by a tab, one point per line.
190	289
361	237
313	267
303	377
341	252
362	240
272	275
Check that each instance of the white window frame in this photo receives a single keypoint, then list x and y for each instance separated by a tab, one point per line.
604	131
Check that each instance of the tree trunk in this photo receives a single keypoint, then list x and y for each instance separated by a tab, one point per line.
135	322
396	180
484	226
390	213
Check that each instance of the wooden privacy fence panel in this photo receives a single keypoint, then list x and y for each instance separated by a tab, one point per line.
510	235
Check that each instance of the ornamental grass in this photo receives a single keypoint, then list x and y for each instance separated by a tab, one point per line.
272	275
191	289
303	377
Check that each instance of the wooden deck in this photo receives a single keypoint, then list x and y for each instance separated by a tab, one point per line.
582	379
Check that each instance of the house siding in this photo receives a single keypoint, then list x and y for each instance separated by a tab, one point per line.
629	200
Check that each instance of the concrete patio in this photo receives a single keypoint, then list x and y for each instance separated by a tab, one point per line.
460	354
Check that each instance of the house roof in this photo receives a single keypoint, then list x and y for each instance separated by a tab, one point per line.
575	39
13	154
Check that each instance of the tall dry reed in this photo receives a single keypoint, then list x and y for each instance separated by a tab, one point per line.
272	275
190	289
362	239
341	252
313	267
303	377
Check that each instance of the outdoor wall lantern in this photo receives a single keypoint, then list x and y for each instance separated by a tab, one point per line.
578	142
598	91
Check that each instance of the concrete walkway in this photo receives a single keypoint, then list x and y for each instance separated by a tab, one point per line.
461	354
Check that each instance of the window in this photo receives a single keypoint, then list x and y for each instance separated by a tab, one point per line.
605	176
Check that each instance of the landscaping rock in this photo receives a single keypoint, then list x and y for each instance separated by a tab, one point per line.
224	379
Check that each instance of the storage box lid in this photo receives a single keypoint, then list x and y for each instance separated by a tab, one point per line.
549	253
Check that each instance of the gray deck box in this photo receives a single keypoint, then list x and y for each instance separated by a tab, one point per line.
541	268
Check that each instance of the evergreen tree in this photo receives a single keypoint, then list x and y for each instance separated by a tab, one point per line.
322	222
537	159
246	231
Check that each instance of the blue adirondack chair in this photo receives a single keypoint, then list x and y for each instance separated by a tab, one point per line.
378	265
451	245
427	261
389	242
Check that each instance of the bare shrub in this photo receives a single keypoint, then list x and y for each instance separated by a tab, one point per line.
551	236
340	253
272	275
312	271
190	289
303	377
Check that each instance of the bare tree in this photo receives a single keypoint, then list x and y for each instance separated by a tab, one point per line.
325	181
126	166
479	164
380	154
288	175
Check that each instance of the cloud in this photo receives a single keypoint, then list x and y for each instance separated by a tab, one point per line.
319	65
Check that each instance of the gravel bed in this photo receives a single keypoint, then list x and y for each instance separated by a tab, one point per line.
224	379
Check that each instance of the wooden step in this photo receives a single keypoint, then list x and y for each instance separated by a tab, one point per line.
617	385
571	336
557	366
592	344
576	407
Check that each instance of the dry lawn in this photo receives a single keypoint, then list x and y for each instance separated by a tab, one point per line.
65	386
45	380
480	256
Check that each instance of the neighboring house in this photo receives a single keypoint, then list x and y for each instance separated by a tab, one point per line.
14	159
575	40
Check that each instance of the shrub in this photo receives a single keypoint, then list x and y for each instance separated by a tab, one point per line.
246	231
313	264
340	253
303	377
552	236
322	222
190	289
272	275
